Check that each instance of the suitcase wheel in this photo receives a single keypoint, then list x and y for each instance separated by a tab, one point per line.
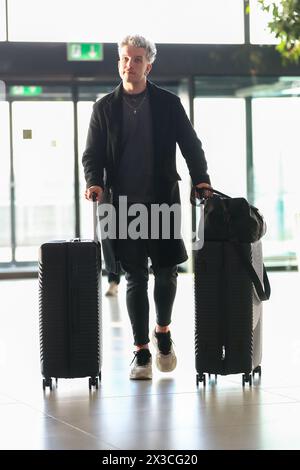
247	378
200	378
93	382
216	377
47	382
257	370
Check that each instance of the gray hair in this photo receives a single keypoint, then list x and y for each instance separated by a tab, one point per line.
139	41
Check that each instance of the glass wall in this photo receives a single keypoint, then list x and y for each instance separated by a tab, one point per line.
170	21
43	152
194	22
2	20
259	19
221	126
5	219
270	168
88	95
43	159
276	174
84	109
185	185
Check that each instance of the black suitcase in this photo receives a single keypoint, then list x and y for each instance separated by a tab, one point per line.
228	319
70	309
229	286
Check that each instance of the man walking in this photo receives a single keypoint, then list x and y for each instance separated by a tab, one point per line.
132	139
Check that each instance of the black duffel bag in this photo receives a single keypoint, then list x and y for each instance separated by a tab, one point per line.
237	221
231	219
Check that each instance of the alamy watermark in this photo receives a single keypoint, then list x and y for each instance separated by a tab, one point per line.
143	221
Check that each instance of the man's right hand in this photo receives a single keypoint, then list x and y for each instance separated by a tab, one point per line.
94	189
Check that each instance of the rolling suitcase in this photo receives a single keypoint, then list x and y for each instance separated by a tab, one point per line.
70	309
230	284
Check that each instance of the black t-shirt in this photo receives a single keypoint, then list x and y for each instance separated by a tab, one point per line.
135	174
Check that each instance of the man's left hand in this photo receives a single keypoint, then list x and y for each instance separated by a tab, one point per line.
206	194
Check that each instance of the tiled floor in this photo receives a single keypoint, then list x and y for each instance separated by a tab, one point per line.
167	413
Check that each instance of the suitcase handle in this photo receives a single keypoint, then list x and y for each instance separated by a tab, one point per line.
95	218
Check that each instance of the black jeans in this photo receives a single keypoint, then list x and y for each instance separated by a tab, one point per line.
114	277
133	255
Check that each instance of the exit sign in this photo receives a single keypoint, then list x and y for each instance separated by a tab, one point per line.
21	90
84	51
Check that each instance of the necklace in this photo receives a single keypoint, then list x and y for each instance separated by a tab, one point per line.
135	108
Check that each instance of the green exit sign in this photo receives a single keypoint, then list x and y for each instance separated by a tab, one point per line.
21	90
84	51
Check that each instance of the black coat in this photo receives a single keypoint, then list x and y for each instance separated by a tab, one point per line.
170	125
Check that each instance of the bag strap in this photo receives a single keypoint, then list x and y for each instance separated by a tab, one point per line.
263	290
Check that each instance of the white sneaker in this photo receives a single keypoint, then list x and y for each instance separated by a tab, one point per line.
112	291
166	360
142	365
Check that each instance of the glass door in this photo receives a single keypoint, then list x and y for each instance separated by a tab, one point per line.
43	152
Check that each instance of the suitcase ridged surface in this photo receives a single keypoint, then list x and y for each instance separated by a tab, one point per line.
207	325
70	309
227	311
239	312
